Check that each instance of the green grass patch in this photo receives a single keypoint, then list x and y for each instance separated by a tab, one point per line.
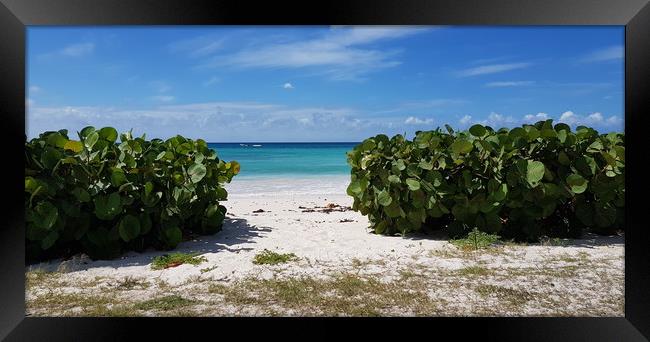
514	297
474	271
175	259
164	303
342	294
208	269
267	257
475	240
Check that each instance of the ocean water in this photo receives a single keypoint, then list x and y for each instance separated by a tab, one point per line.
272	169
286	160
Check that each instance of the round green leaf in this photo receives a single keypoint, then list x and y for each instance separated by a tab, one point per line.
74	146
413	184
57	140
577	183
86	131
129	228
196	172
172	236
461	146
393	210
45	215
354	188
563	158
384	198
425	165
477	130
117	176
106	207
50	157
91	139
108	133
534	172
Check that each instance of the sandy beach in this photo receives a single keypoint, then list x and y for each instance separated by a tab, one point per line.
340	268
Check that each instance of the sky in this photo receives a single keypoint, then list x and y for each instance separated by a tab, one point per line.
320	83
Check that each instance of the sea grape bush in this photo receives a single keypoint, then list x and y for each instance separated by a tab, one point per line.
523	183
102	197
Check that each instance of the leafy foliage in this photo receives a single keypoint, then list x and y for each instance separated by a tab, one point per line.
475	240
101	196
175	259
267	257
533	180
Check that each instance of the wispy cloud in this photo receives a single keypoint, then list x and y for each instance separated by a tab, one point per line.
215	121
422	104
412	120
73	50
537	117
211	81
491	69
199	46
162	98
593	119
160	86
610	53
287	86
465	120
494	120
339	54
509	84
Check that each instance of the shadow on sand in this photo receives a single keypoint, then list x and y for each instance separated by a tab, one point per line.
235	235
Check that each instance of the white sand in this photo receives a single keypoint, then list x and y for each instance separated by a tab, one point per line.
325	244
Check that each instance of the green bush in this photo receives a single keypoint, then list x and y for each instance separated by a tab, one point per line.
522	183
102	197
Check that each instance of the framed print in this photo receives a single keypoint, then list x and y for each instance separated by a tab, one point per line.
449	165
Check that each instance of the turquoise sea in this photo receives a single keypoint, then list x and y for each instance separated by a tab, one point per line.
287	160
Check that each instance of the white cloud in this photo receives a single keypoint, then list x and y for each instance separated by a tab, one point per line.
614	120
73	50
465	120
287	86
199	46
606	54
211	81
509	84
162	98
34	89
595	119
568	118
491	69
496	120
424	104
160	86
537	117
215	121
412	120
340	53
77	50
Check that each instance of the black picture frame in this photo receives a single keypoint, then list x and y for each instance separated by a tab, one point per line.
15	15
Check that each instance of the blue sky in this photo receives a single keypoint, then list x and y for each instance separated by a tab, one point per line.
282	83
